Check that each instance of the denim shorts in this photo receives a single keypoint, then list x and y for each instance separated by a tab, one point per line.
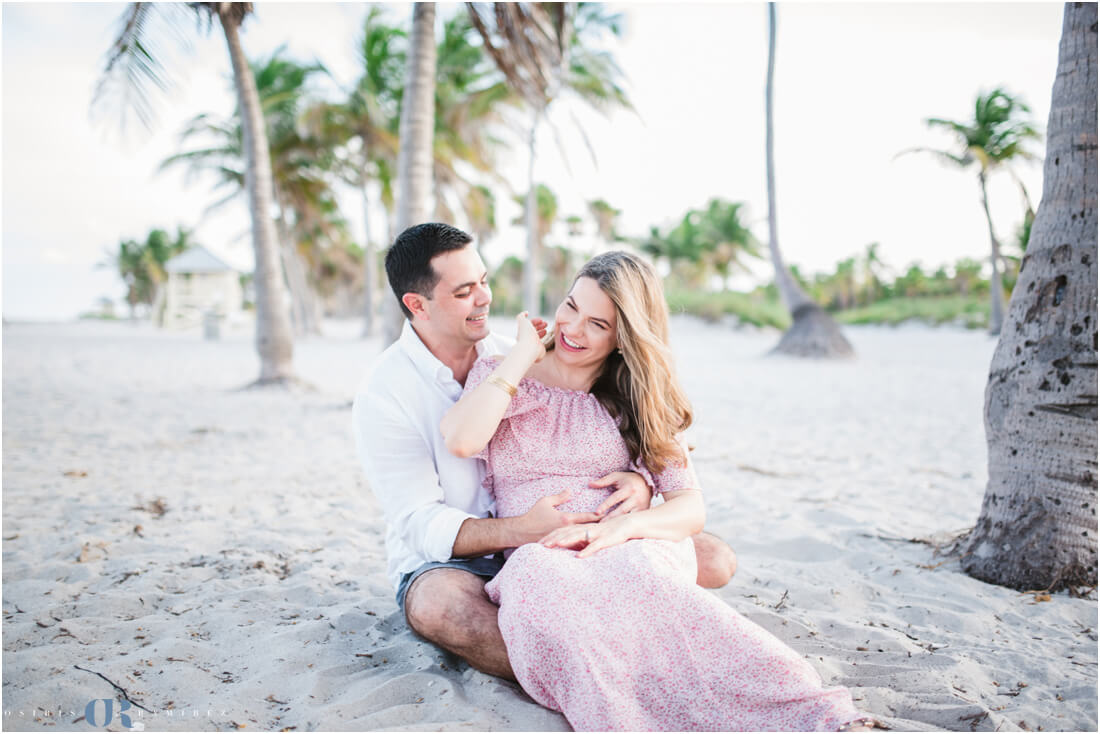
487	568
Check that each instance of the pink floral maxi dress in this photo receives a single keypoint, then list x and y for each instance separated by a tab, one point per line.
625	639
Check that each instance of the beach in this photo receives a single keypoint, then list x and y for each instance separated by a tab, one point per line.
217	554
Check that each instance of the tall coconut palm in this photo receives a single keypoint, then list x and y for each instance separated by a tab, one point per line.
132	69
362	132
992	140
545	50
414	161
301	191
1037	527
812	333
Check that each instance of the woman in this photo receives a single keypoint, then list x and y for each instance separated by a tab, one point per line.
604	621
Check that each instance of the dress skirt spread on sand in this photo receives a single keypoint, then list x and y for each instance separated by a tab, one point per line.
625	639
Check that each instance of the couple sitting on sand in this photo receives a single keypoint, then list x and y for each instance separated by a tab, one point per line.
547	453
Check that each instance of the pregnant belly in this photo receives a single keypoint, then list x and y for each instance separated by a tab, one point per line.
517	498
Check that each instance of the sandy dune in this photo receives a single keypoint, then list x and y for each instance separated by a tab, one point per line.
217	554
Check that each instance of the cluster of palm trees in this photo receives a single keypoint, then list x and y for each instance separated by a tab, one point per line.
318	145
140	264
705	242
289	149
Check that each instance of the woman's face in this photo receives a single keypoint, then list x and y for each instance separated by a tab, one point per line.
585	328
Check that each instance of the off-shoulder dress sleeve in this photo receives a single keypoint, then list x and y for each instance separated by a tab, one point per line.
523	401
676	475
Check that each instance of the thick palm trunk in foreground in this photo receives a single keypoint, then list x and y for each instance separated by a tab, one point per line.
414	159
273	333
1037	528
812	333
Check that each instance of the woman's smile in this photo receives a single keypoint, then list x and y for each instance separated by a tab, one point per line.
568	344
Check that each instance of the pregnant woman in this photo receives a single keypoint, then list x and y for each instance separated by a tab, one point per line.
604	621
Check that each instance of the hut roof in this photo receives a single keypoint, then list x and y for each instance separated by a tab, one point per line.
197	260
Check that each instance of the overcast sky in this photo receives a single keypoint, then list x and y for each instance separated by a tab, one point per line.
853	85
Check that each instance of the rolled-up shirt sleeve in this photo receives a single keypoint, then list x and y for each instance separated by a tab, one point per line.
402	472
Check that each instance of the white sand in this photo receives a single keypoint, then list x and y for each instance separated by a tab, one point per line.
259	598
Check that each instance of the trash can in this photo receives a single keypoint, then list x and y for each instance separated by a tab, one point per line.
211	325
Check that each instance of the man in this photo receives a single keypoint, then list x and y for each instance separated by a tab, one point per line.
442	543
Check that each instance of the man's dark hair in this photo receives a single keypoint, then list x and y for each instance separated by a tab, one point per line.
409	261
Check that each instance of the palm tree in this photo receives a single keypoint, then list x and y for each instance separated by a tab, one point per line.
812	332
993	139
873	269
301	192
141	264
362	132
134	69
414	161
606	217
1037	527
726	239
480	207
545	50
546	210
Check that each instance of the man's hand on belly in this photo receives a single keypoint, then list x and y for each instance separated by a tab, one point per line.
544	517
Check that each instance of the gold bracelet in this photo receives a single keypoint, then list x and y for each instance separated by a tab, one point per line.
502	384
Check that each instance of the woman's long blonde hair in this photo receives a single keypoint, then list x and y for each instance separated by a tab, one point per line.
638	384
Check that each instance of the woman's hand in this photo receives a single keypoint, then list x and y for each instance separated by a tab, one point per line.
590	537
529	334
631	493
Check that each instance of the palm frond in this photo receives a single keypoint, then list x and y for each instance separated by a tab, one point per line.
134	73
943	155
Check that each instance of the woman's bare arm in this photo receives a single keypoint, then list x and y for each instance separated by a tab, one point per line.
471	423
682	514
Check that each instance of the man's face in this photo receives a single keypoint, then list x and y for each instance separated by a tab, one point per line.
458	310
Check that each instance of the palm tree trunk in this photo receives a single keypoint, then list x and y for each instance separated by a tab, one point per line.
792	295
297	324
273	333
996	283
531	300
304	311
370	267
813	333
1037	527
414	159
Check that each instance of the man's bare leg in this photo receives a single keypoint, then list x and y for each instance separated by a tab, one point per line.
717	562
449	607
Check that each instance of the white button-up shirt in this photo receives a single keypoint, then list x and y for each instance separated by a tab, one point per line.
426	492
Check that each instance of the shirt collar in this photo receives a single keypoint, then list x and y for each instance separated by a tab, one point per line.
422	358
